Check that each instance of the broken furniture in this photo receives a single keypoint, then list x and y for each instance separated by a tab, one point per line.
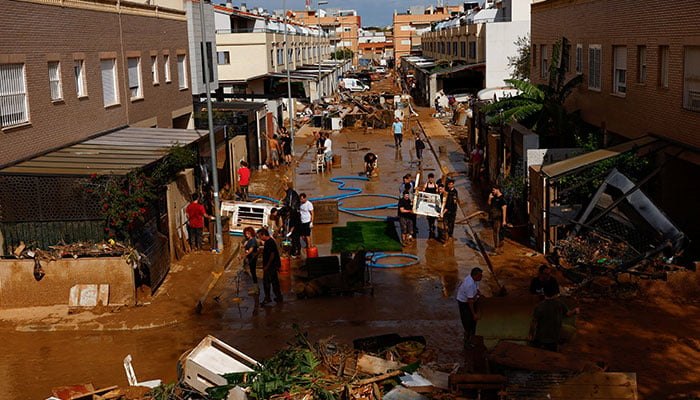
131	375
203	366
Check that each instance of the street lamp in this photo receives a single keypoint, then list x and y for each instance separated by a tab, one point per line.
320	31
290	107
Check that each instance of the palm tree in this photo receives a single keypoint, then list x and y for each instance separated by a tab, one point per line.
541	107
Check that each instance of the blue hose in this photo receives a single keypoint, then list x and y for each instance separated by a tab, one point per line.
355	192
377	256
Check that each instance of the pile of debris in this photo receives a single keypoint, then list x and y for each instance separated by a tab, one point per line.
110	248
387	367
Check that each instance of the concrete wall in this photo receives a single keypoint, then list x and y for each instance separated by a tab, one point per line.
500	44
248	55
18	288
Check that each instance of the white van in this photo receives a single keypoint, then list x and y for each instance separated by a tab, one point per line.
354	85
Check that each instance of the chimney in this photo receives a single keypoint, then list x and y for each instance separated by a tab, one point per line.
229	4
244	7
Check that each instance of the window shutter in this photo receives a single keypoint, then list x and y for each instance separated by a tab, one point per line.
621	57
109	93
133	72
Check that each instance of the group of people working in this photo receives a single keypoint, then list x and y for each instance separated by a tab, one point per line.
547	317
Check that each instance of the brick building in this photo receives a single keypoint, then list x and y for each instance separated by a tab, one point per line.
640	63
72	70
409	26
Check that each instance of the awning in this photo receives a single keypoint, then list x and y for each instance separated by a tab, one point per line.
575	163
457	68
115	153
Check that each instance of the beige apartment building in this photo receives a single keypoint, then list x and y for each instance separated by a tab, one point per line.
342	27
640	63
409	26
71	70
250	47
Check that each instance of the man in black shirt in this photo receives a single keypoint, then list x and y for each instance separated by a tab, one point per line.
271	264
497	215
450	203
544	280
405	207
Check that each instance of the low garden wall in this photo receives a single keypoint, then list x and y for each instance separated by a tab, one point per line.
18	288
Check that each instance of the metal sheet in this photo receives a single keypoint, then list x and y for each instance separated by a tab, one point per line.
115	153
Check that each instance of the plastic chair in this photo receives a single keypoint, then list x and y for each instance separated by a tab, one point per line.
131	375
319	164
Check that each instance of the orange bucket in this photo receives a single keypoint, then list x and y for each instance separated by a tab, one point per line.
312	252
284	265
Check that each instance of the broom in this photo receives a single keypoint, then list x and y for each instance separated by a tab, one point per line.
501	290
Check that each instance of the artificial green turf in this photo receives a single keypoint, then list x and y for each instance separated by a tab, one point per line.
366	235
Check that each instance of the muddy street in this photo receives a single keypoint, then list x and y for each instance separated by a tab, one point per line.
652	335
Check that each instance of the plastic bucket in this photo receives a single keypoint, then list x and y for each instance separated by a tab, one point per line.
285	265
312	252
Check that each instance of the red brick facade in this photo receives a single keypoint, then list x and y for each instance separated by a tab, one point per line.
37	34
646	107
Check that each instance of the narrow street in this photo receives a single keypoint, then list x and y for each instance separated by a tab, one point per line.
417	300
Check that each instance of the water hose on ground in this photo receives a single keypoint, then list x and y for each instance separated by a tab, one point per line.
374	257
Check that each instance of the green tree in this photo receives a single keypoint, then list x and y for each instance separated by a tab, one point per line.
541	107
342	54
520	64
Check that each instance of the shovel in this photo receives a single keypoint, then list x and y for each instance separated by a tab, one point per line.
501	290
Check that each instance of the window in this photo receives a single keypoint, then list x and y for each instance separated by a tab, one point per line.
13	95
55	80
663	66
154	69
181	71
641	64
691	79
134	65
620	69
166	66
594	59
272	58
472	50
280	57
454	48
79	68
298	55
579	59
405	27
543	62
108	69
463	49
534	55
223	58
405	41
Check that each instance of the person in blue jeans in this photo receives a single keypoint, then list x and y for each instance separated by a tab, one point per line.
398	132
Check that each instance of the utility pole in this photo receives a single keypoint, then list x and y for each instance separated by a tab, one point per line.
290	107
212	139
320	31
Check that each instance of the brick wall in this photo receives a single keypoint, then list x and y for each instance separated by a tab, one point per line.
42	33
645	107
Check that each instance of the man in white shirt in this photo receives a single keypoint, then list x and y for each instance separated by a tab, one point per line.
306	209
467	297
328	151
